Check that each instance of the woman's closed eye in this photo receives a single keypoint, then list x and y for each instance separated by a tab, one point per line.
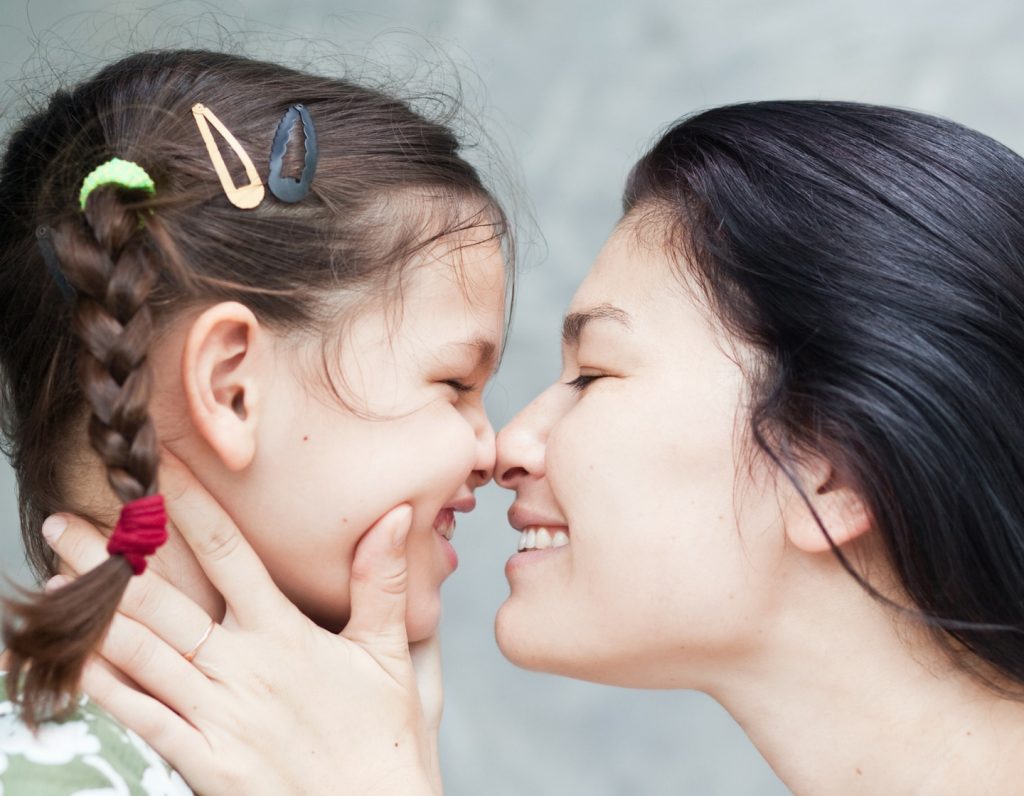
581	382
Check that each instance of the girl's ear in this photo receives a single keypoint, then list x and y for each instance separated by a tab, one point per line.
221	373
837	504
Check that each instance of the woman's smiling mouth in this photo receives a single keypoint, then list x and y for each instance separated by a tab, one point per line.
540	537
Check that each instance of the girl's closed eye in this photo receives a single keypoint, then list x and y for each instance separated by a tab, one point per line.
459	385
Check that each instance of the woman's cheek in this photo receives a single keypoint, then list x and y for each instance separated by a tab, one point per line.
581	455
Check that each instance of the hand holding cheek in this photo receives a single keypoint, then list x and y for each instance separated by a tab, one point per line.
269	702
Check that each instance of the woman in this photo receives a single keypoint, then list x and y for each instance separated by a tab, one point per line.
783	463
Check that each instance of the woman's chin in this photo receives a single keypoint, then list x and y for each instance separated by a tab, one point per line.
519	640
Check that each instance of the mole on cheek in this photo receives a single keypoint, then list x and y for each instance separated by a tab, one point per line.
306	438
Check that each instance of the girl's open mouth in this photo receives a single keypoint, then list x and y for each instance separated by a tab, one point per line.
444	523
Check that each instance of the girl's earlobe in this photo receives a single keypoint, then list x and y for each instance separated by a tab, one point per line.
221	375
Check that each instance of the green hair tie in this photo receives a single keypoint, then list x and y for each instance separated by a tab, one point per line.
117	172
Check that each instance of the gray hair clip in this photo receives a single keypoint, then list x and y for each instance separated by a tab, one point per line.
288	189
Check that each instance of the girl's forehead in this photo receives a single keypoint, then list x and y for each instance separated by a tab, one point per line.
466	278
450	301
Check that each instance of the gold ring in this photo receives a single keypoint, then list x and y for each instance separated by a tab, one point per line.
206	634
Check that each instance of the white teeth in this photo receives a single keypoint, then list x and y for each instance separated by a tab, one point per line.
447	530
541	538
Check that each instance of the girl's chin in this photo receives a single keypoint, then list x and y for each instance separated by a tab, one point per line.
423	616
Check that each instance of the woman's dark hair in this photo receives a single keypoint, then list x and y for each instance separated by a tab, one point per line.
875	258
388	183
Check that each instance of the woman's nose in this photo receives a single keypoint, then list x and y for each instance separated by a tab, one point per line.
521	446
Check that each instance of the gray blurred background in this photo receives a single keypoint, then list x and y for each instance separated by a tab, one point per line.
570	92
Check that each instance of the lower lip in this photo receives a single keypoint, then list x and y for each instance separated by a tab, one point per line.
446	517
449	552
527	558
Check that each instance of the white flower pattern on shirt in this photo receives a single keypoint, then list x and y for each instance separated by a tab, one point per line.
88	754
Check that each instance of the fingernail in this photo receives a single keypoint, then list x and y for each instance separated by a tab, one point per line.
402	526
56	582
53	528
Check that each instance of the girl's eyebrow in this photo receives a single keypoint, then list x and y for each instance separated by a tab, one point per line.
486	351
575	322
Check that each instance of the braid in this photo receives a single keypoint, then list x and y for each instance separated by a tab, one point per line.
106	260
113	275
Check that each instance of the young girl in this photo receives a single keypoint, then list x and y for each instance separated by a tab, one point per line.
783	463
292	284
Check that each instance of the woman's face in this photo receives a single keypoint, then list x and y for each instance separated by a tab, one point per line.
411	428
663	534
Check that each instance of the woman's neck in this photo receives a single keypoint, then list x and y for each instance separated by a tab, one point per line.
843	699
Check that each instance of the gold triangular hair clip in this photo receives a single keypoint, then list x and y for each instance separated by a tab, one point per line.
245	197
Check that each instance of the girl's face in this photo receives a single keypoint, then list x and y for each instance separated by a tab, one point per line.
409	427
632	467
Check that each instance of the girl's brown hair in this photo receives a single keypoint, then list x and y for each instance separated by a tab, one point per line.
389	182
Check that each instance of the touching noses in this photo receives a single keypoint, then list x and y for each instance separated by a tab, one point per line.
521	447
483	469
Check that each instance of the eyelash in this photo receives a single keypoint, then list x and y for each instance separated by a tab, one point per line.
459	386
579	384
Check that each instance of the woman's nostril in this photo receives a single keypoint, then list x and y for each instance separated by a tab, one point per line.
510	475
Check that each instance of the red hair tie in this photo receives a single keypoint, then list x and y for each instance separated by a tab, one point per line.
140	530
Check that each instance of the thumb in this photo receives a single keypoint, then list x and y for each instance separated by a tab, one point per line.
379	580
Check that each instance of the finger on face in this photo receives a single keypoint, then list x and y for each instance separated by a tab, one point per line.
378	587
77	543
225	556
165	611
56	582
148	599
146	659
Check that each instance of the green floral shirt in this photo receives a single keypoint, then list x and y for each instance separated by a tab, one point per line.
88	754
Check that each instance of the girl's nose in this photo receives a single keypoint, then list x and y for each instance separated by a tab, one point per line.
483	471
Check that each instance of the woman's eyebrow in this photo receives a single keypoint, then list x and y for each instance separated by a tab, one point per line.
574	323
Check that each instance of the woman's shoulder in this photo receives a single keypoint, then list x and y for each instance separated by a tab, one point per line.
87	752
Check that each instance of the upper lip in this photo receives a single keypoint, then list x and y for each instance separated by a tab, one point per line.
520	517
463	504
